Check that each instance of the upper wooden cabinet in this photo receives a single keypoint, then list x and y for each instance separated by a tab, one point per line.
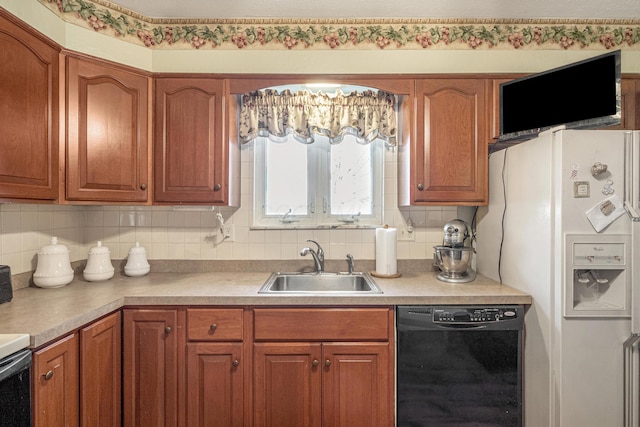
193	157
107	133
630	103
445	162
29	114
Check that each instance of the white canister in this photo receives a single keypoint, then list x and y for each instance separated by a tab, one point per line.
99	265
54	268
137	264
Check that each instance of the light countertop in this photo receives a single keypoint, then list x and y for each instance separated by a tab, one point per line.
46	314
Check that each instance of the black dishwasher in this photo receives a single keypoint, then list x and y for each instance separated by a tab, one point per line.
15	389
459	366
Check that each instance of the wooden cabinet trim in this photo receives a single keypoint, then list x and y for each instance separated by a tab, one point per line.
324	324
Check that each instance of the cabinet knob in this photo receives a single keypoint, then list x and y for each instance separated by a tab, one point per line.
167	330
420	187
213	327
217	187
236	363
327	362
315	362
48	375
143	186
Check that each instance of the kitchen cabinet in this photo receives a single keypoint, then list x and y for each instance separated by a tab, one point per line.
445	161
196	162
29	113
100	368
323	367
76	379
55	384
107	158
629	103
151	339
215	367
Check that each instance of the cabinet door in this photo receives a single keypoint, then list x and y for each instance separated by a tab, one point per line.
287	385
630	104
215	385
150	368
449	164
55	384
107	128
100	372
356	385
29	115
190	151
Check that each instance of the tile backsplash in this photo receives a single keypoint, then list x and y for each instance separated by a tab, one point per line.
184	234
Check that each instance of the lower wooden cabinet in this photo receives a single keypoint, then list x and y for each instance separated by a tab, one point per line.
336	369
55	384
216	367
76	380
100	368
150	367
215	385
287	384
356	385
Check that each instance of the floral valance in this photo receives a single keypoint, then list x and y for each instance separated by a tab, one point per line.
367	115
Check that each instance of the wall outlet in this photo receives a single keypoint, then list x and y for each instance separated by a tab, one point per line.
406	234
228	232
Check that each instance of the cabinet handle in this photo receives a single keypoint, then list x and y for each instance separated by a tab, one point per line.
167	330
213	327
315	362
327	363
48	375
217	187
143	186
236	363
420	187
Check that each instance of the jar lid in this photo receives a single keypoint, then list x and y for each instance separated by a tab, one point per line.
137	249
53	248
99	249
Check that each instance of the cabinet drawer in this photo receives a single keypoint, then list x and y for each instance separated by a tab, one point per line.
323	324
214	324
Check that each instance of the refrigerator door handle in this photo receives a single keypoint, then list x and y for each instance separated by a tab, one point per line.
631	175
630	381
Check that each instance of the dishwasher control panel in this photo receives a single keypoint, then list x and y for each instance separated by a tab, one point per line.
475	314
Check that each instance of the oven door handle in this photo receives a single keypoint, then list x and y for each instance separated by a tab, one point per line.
15	363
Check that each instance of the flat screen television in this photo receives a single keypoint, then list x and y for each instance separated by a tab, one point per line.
581	95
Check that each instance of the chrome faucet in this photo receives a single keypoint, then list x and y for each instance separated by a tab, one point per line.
350	263
318	255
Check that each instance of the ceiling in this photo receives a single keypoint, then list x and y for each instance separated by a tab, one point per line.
388	9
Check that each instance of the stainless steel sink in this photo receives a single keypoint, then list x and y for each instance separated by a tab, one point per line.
325	283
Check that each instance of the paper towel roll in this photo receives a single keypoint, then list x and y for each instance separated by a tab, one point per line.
386	251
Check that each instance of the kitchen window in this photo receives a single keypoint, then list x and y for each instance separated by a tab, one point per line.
318	161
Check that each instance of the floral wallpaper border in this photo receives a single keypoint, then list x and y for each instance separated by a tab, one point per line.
105	17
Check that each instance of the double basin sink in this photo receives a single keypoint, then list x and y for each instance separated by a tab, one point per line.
324	283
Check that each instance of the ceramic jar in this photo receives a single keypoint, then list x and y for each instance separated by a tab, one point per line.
54	267
137	264
99	265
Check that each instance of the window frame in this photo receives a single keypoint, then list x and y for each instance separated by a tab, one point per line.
318	203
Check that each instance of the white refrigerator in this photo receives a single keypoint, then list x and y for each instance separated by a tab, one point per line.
557	226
